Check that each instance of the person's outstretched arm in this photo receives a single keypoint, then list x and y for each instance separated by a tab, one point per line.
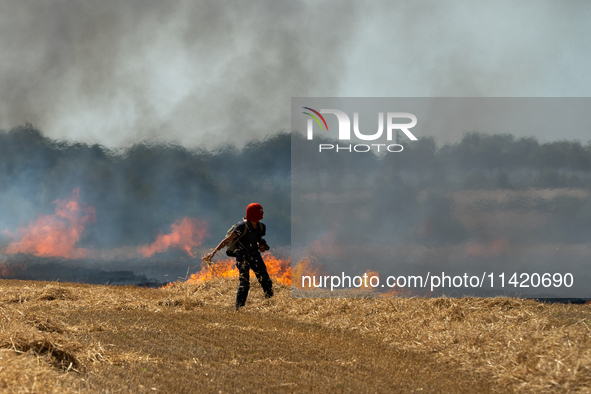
222	245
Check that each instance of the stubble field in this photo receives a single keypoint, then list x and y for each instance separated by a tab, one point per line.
63	337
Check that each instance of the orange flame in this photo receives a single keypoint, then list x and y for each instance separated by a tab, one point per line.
55	235
279	270
368	286
221	268
304	267
184	234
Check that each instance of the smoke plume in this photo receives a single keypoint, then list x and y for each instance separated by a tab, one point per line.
198	72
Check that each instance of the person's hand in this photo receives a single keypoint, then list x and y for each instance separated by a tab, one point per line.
209	256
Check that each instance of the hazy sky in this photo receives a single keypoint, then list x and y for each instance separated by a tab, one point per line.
207	73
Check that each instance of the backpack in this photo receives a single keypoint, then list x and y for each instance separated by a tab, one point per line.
235	244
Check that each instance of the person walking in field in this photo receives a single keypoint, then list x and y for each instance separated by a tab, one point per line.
245	241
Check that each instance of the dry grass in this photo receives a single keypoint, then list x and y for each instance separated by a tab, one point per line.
518	343
187	338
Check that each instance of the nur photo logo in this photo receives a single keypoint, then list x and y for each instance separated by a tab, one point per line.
393	125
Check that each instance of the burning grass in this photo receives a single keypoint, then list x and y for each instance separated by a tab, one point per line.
186	338
279	270
56	234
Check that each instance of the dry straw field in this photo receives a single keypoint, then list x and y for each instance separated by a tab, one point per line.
62	337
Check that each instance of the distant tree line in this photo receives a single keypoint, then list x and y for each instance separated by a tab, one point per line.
140	191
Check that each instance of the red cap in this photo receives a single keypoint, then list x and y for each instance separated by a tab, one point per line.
254	212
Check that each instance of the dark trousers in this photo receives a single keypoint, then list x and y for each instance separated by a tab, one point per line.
246	262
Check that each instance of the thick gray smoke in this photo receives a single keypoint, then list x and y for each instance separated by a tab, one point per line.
193	72
466	48
200	73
